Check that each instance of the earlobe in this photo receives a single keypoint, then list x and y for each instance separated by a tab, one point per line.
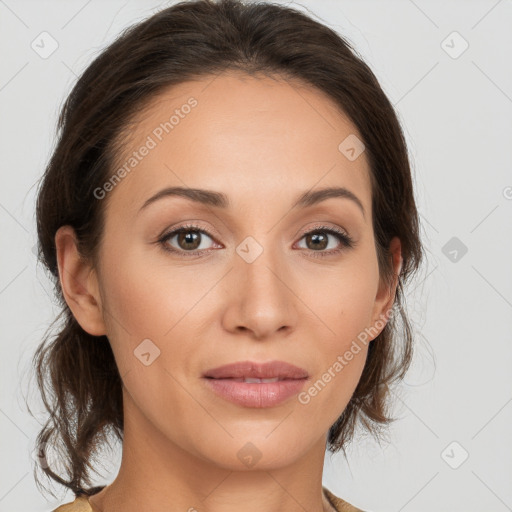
386	294
79	283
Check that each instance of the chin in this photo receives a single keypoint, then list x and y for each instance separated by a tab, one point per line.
255	452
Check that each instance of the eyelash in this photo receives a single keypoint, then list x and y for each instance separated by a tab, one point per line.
346	241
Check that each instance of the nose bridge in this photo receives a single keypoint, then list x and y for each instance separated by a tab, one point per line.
258	266
261	298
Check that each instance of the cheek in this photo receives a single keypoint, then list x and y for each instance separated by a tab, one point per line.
328	394
344	308
148	300
344	300
341	362
146	310
171	307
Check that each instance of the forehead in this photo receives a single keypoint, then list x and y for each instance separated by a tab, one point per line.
236	133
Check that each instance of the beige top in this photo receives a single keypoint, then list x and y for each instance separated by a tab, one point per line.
81	504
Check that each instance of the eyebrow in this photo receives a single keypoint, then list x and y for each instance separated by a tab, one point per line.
220	200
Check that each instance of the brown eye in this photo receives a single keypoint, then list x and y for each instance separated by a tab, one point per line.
318	240
189	239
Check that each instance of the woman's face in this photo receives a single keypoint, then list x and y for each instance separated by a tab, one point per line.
252	284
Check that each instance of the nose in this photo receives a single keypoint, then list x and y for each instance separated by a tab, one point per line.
261	298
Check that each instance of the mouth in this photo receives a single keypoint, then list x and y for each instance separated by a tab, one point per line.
253	385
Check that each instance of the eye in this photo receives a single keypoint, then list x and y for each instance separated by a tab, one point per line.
318	239
189	239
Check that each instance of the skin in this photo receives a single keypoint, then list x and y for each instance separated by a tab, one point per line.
262	144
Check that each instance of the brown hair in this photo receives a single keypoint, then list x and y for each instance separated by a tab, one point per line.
77	376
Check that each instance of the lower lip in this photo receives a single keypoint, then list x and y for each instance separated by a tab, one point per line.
258	395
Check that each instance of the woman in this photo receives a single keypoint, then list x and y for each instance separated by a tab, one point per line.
229	218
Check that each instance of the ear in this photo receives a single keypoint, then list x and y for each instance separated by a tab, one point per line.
79	283
386	293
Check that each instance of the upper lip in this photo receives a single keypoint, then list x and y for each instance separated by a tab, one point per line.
272	369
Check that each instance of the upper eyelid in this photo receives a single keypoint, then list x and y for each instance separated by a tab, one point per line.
321	225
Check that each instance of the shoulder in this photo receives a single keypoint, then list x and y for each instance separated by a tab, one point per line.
339	504
80	504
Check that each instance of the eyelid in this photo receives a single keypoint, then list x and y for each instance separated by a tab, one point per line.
346	241
322	225
193	225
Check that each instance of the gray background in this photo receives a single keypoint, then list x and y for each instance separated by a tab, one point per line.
456	110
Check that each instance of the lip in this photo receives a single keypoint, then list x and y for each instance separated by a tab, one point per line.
227	382
253	369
